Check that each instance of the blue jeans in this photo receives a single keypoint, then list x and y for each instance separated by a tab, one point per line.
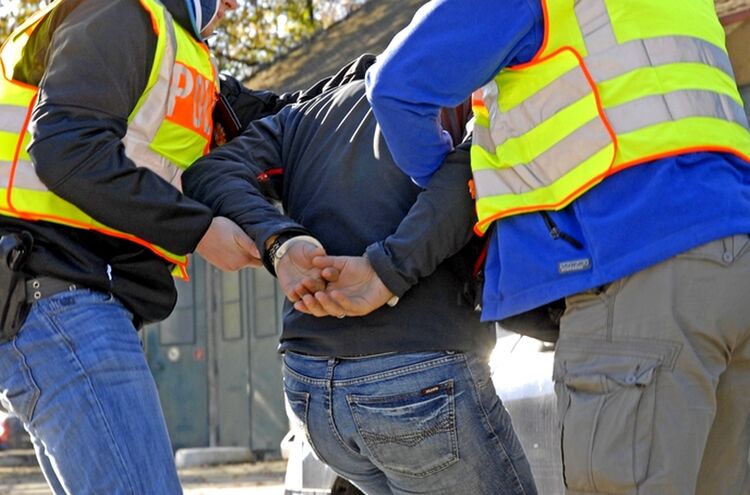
421	423
77	378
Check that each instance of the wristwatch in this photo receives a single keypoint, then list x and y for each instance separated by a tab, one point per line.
273	250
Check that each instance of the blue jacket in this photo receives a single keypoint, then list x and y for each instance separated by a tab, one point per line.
630	221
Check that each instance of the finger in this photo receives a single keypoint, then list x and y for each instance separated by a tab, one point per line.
255	263
301	307
314	308
291	294
352	306
244	242
330	306
310	285
301	289
328	261
330	274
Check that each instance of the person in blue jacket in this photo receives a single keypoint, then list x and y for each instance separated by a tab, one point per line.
653	358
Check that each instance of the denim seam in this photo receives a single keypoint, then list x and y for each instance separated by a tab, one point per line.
30	378
488	424
329	412
337	435
318	382
92	396
305	422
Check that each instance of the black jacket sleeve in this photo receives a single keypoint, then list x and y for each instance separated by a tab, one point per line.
233	182
438	225
252	104
97	66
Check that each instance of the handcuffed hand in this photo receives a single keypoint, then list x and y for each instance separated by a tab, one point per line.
353	288
297	274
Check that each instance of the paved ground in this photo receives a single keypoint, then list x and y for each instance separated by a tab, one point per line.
18	476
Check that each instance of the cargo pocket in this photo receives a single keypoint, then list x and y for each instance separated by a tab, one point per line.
606	410
411	434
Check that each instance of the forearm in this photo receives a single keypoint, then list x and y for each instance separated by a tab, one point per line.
437	226
231	180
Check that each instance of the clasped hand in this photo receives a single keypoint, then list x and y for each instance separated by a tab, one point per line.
323	285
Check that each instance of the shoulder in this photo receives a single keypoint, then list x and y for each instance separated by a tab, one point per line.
117	20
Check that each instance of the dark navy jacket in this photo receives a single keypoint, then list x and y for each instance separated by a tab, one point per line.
327	164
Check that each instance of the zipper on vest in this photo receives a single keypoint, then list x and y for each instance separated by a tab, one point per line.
556	233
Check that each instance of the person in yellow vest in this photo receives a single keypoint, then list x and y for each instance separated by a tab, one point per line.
611	168
102	107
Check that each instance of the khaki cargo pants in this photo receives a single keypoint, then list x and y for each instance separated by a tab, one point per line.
652	375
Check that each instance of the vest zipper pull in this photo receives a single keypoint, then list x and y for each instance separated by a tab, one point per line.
556	233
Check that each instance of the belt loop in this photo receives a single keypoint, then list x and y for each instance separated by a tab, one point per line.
41	287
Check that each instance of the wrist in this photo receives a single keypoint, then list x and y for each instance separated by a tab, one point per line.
281	244
392	297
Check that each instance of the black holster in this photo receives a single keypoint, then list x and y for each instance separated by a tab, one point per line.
14	251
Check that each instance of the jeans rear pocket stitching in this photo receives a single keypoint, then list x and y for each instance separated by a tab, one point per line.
446	425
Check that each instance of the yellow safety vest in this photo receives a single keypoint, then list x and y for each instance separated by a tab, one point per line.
615	84
170	127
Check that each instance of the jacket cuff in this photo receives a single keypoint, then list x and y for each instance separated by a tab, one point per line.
386	269
192	242
263	240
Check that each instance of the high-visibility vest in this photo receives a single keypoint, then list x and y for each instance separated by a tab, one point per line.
169	128
615	84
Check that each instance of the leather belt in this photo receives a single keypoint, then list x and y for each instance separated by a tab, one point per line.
40	287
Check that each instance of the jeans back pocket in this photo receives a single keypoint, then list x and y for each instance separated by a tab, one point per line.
412	434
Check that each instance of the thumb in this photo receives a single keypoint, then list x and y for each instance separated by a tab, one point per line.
246	244
330	274
336	262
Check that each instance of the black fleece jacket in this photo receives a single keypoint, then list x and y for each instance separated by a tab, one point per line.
327	164
91	60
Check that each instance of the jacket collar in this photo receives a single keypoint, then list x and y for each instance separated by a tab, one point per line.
180	13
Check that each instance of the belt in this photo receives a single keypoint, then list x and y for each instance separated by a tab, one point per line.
41	287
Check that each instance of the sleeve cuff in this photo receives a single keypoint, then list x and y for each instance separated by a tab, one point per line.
386	270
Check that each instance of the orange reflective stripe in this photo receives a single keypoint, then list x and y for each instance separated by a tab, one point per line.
477	99
154	20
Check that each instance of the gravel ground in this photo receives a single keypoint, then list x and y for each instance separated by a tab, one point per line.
18	476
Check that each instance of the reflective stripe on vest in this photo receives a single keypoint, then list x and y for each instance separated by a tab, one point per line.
600	97
169	128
